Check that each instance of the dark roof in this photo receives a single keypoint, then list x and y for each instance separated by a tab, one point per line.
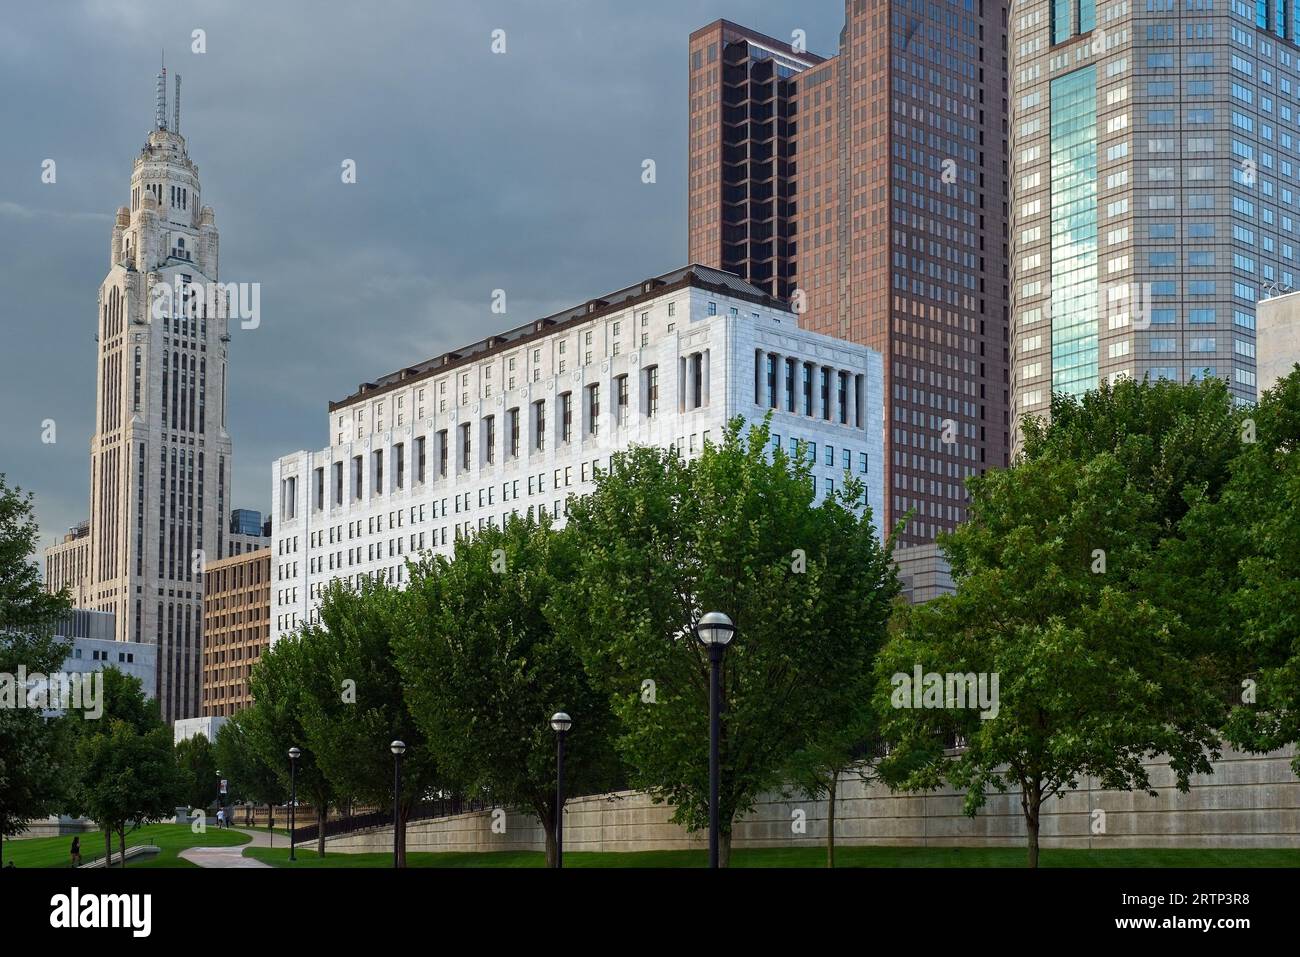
701	277
734	31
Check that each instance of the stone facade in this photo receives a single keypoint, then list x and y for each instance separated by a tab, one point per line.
464	440
1278	338
924	572
1250	801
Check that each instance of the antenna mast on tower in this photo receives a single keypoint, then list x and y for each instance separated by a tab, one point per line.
176	107
160	110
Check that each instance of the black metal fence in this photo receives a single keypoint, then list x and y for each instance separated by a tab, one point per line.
424	811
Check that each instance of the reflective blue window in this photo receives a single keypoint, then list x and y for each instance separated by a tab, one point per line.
1074	231
1087	15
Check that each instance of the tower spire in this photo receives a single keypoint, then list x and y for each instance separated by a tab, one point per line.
160	108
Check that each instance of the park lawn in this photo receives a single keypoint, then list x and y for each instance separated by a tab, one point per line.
170	838
813	857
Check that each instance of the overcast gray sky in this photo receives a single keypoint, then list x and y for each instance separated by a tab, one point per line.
475	171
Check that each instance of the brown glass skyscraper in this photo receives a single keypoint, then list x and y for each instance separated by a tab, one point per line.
871	189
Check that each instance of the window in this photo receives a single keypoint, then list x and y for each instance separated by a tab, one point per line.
620	385
566	417
650	377
593	409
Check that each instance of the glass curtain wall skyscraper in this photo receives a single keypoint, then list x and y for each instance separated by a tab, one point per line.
1153	177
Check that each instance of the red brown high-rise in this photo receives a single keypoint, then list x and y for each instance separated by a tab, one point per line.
871	189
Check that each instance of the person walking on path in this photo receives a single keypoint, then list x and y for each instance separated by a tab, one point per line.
221	818
76	850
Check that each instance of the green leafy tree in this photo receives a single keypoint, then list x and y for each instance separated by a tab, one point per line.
125	765
351	728
283	683
1050	570
738	530
484	670
31	775
1168	438
196	764
1175	444
1250	539
836	750
250	777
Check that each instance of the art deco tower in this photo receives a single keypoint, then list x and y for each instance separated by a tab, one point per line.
160	457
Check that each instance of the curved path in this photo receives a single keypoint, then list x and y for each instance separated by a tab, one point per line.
229	856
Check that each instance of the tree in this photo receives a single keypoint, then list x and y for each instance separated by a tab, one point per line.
1082	670
1176	444
196	766
836	749
1168	438
282	682
349	729
739	530
1251	534
484	670
250	777
125	766
31	782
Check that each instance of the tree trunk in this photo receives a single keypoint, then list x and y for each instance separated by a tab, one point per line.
830	819
724	847
321	814
1031	802
548	826
108	847
121	843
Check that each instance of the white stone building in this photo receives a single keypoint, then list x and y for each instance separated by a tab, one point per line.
1278	338
160	457
520	421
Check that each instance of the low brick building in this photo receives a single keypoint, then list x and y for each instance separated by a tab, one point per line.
236	628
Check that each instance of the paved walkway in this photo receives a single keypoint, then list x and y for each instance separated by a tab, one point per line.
231	856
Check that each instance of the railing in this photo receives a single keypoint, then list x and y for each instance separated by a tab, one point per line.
424	811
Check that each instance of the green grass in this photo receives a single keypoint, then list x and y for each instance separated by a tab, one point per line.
812	857
171	838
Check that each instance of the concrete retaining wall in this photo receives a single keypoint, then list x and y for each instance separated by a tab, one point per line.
1250	801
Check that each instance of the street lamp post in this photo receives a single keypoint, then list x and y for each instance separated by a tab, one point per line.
715	631
294	755
560	724
398	748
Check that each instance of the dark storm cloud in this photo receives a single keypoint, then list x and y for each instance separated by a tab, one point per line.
475	172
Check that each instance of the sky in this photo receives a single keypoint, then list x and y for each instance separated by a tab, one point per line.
475	171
